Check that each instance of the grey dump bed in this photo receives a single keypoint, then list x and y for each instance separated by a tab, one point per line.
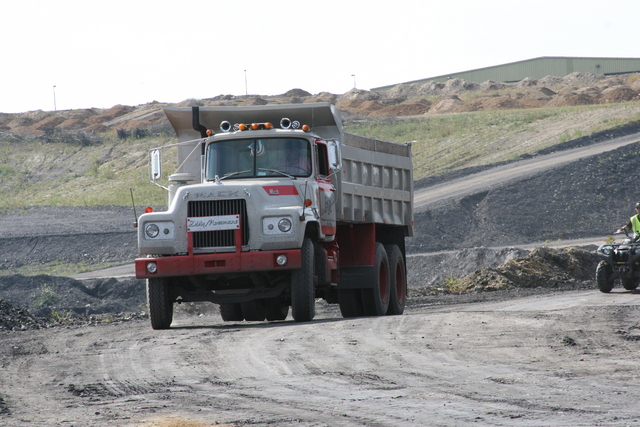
376	182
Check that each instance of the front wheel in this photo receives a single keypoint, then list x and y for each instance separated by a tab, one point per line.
303	299
604	274
160	304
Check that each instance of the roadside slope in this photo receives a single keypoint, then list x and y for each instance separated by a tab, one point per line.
587	197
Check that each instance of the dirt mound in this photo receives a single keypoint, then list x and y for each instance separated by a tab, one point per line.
110	114
458	86
527	82
359	106
400	100
405	109
359	94
492	85
48	123
296	93
582	79
619	94
18	319
254	100
542	267
550	81
322	97
490	103
571	99
45	295
447	105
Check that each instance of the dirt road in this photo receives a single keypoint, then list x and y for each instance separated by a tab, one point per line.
472	184
561	359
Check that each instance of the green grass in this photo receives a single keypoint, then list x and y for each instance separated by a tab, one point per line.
33	172
100	169
442	143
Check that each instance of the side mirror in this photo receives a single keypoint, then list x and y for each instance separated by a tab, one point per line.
335	159
156	165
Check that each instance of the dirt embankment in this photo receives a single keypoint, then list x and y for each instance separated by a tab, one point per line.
453	96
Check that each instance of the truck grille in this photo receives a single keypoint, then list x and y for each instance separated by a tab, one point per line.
214	239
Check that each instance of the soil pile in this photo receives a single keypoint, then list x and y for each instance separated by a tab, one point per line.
14	319
543	267
452	96
54	297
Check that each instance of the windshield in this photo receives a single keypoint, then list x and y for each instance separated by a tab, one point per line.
259	157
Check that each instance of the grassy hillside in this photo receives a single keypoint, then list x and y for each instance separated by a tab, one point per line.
77	169
442	143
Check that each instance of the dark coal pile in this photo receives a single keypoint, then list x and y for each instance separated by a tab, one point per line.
13	318
54	297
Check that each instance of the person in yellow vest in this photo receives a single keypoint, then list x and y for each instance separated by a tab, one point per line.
634	223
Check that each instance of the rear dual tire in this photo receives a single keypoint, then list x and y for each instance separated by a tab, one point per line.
387	294
398	280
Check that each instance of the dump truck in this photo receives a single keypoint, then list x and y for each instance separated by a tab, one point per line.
272	207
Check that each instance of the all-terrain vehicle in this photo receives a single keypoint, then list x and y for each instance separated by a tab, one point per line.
619	262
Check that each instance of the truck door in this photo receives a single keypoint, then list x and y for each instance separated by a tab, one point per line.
326	190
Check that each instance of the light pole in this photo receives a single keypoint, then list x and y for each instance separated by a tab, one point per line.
354	80
246	88
54	98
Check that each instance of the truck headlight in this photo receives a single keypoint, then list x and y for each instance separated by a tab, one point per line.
152	230
159	230
284	225
274	226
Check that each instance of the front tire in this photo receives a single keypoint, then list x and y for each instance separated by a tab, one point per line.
303	300
604	274
160	304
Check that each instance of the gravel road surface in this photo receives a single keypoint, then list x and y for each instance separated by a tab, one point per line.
558	359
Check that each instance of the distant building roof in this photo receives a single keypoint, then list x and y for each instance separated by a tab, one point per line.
538	68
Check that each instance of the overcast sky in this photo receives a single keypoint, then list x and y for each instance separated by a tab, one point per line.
99	54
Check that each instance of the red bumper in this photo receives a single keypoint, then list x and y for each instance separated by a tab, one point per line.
233	262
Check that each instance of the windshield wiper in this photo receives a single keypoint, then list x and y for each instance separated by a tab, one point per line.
230	174
278	171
